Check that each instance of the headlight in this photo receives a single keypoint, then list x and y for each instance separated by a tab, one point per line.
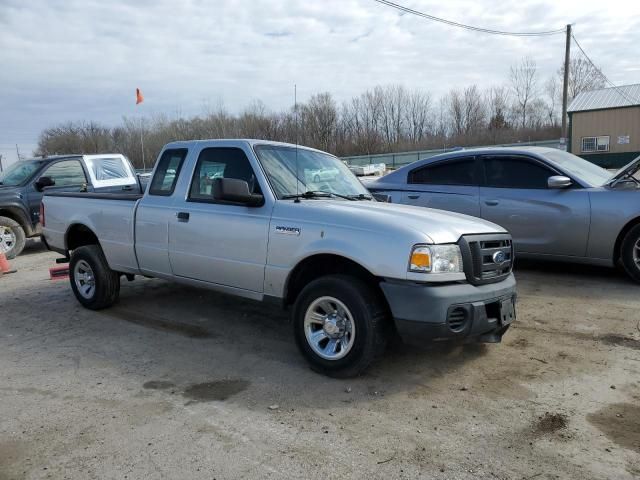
436	259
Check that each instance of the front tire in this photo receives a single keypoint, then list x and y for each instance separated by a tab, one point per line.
630	253
94	284
12	238
340	325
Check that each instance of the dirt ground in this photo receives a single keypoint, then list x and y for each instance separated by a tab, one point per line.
177	383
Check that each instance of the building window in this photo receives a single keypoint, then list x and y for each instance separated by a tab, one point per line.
595	144
603	144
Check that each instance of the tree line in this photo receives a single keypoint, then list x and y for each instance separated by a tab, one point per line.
384	119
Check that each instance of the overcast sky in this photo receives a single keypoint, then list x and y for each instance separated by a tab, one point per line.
82	59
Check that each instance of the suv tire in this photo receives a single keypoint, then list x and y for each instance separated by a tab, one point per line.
12	233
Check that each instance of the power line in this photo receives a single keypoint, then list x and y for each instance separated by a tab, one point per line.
621	92
469	27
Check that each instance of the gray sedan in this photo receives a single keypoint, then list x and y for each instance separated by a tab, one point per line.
556	205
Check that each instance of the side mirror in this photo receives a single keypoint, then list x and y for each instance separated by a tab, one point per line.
559	181
44	182
235	191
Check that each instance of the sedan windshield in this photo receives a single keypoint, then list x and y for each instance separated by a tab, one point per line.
316	172
579	167
18	173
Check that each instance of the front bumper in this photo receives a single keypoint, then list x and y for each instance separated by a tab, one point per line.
431	312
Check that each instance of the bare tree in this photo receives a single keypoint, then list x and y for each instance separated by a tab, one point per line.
583	76
320	119
552	97
383	119
524	87
497	100
466	110
417	117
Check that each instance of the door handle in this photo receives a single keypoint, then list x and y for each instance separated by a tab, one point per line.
491	203
414	196
183	216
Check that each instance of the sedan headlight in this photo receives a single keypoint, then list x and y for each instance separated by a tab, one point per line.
436	259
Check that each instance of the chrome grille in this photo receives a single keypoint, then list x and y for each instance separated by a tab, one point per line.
487	258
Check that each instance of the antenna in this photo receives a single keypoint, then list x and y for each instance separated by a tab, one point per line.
295	108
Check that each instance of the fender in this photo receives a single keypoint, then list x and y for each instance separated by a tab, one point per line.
16	210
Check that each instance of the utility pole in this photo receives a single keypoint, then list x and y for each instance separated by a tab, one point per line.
17	151
1	169
565	85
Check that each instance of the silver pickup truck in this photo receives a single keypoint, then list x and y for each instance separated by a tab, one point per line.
244	217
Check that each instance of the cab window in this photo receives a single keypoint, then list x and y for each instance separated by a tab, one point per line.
66	173
220	163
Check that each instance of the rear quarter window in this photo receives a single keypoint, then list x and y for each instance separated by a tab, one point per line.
167	172
460	171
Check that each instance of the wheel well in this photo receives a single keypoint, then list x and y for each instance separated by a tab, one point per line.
17	216
79	235
320	265
621	235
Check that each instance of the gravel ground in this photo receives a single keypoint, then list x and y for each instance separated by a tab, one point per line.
176	382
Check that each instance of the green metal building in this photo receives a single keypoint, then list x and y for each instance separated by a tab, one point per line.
604	125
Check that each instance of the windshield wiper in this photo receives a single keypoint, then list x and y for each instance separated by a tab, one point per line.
361	196
318	194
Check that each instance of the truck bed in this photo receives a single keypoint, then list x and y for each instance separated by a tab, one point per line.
111	216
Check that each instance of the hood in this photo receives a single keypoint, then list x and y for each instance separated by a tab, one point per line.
9	191
424	224
628	170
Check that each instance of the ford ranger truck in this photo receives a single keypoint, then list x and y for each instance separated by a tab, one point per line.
256	219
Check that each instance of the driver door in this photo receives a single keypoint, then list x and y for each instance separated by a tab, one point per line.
542	220
68	175
215	241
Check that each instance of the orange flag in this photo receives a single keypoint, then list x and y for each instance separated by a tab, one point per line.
139	97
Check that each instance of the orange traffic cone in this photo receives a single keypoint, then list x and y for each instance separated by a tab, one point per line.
4	265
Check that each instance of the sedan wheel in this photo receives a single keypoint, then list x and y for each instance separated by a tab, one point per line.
630	253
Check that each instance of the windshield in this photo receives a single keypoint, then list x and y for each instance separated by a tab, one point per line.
589	172
18	173
316	171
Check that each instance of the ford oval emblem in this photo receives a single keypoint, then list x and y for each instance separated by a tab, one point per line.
499	257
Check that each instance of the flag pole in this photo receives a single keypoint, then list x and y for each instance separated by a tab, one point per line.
144	165
139	100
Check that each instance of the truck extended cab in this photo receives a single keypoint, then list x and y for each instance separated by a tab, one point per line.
244	217
22	185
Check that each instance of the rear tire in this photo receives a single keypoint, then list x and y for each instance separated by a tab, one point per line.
360	306
630	253
94	284
12	238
